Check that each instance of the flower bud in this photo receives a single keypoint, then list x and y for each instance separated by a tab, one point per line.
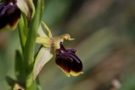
67	60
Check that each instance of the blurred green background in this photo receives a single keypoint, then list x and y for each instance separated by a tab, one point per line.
104	32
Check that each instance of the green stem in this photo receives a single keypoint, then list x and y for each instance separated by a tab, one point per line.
30	45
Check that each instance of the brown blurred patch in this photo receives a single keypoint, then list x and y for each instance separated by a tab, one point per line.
3	40
103	75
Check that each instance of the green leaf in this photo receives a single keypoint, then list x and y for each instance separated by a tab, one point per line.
19	67
42	58
11	82
22	27
38	86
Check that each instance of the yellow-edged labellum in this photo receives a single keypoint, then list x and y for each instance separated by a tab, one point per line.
10	27
67	73
9	15
68	62
73	73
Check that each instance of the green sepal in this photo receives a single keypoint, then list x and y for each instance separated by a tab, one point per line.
27	7
31	5
43	56
41	32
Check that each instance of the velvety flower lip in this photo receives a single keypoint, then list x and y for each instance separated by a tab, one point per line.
9	15
68	62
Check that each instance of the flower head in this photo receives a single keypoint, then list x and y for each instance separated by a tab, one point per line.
67	60
9	15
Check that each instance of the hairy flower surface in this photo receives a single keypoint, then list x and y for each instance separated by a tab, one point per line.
67	60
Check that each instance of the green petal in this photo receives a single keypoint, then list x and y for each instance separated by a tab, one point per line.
61	38
48	30
66	37
45	41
